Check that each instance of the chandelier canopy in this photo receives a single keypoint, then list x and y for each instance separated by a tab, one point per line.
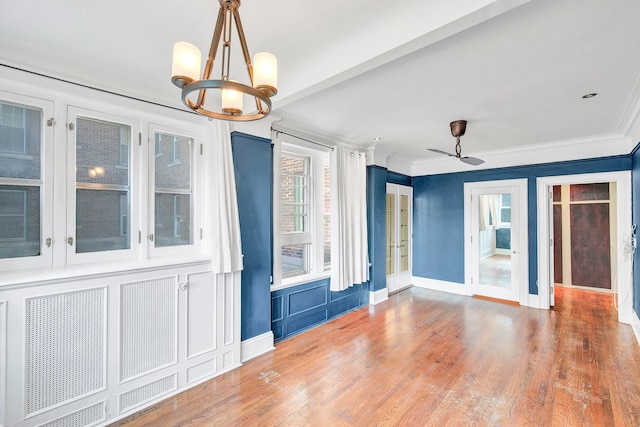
263	73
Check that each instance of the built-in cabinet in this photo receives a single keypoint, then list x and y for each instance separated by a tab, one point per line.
89	350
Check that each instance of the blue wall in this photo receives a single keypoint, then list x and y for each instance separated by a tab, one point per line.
438	213
291	310
635	203
252	160
376	220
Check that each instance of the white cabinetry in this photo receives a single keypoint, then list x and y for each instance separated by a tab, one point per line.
90	350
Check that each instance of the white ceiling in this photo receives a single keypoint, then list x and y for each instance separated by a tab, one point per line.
361	69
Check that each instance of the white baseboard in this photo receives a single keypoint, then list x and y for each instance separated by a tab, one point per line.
635	325
439	285
254	347
533	301
376	297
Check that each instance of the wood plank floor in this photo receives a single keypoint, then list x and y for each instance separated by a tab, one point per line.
430	358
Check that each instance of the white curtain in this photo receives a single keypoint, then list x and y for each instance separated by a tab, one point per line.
489	205
349	252
226	250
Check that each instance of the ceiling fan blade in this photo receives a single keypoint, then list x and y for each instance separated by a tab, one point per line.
471	161
441	152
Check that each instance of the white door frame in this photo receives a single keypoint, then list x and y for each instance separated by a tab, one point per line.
523	251
623	218
403	280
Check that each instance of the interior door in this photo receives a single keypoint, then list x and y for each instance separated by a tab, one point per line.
496	240
398	236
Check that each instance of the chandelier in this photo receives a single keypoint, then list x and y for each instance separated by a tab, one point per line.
262	72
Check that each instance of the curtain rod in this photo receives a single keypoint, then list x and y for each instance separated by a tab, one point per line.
95	88
304	139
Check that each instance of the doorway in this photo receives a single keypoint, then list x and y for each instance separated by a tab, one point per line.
399	207
622	267
584	235
496	240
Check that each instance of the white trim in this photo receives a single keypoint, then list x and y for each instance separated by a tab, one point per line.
635	325
623	196
376	297
254	347
533	301
440	285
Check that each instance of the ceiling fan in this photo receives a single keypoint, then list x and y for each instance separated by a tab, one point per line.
457	130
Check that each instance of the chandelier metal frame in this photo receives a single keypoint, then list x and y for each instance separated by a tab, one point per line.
262	94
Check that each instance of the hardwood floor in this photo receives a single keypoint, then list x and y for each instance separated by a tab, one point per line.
430	358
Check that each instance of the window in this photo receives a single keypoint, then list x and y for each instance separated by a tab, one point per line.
21	185
302	248
125	137
13	137
172	189
105	187
294	209
13	214
505	210
124	215
158	145
102	184
175	150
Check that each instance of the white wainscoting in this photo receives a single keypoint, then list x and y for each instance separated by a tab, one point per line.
92	350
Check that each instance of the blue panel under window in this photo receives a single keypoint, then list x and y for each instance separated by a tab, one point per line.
311	304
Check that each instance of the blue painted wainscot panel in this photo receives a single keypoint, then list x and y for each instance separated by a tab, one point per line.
298	308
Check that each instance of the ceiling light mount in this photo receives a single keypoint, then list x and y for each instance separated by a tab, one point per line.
458	128
262	72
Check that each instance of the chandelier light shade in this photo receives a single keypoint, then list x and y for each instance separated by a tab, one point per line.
262	73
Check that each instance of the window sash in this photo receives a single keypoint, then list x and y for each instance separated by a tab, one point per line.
173	219
26	167
99	222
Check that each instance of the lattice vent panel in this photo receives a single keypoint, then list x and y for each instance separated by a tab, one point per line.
148	315
147	392
90	416
65	347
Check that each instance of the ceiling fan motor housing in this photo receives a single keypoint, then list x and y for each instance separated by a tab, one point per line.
458	128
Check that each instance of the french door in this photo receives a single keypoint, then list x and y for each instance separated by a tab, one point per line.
496	239
398	236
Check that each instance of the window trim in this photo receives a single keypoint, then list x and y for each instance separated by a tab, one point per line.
318	158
